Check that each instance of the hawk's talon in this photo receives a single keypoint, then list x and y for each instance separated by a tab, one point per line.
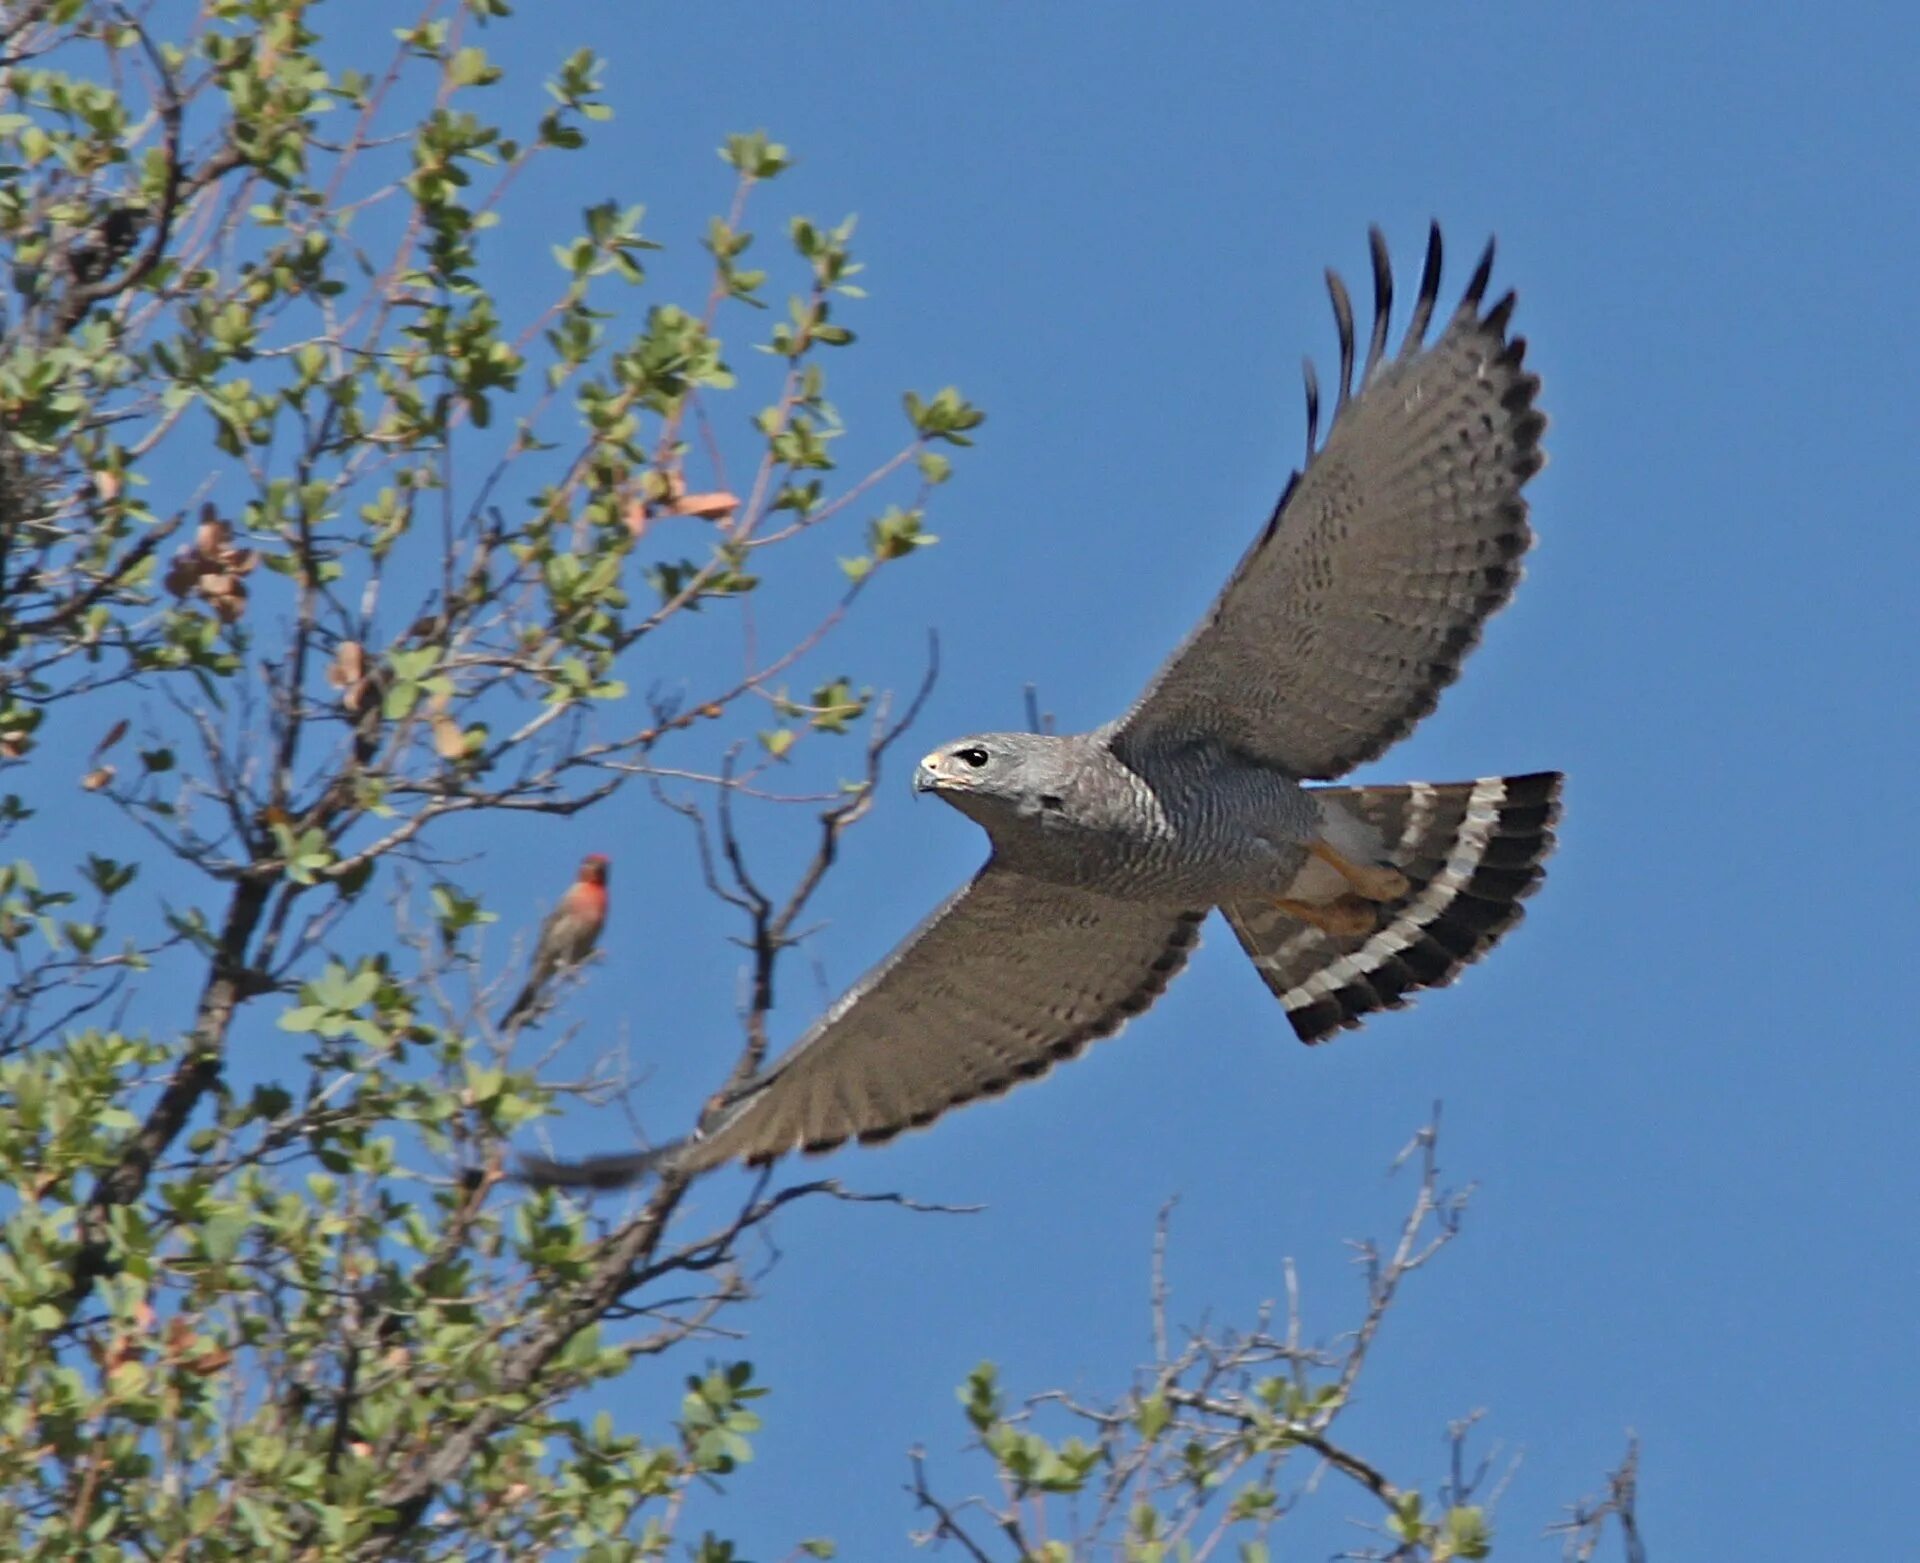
1347	918
1381	884
1373	881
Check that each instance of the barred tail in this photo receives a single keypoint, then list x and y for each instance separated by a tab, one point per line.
1472	851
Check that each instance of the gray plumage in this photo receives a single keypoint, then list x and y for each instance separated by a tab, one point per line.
1334	636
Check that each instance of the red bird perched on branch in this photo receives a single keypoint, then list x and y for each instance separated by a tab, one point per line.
569	934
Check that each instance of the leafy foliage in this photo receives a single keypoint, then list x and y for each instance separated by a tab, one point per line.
257	1306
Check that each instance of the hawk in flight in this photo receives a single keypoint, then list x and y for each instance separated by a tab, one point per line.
1350	613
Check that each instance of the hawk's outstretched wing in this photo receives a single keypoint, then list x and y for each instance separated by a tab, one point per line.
1006	979
1355	607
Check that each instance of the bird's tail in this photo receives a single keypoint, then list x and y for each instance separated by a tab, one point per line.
1471	852
529	1000
519	1008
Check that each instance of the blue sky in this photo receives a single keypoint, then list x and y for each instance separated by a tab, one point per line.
1686	1087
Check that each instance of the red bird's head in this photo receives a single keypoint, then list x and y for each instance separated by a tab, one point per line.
593	868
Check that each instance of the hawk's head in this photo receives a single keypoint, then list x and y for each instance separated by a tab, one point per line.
1003	778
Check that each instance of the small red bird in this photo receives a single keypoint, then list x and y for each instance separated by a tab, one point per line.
569	934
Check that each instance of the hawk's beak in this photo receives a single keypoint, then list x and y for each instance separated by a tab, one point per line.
925	777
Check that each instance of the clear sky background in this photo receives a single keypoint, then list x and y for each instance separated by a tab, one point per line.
1686	1087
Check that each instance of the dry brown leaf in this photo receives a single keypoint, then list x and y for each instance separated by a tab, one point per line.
716	506
13	743
347	672
182	573
106	483
240	560
217	583
95	779
212	535
230	608
449	742
114	734
349	664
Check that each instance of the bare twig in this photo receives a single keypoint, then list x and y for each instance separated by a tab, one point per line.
773	927
1586	1525
1158	1292
947	1526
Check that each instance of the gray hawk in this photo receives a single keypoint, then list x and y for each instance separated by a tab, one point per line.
1350	613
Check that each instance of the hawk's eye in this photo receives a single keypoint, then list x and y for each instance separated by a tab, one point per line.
975	756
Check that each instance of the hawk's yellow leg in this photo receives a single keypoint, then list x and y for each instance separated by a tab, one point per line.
1345	918
1374	884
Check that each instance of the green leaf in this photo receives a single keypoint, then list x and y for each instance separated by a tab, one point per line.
754	155
980	1396
1464	1533
218	1237
469	67
947	417
1405	1521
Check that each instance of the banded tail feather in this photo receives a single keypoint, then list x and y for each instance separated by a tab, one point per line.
1472	852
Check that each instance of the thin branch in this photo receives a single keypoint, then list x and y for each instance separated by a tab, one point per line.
947	1526
1158	1291
1586	1526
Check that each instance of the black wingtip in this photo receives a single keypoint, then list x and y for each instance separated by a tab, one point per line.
1477	289
1312	378
1429	294
1343	320
1382	302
